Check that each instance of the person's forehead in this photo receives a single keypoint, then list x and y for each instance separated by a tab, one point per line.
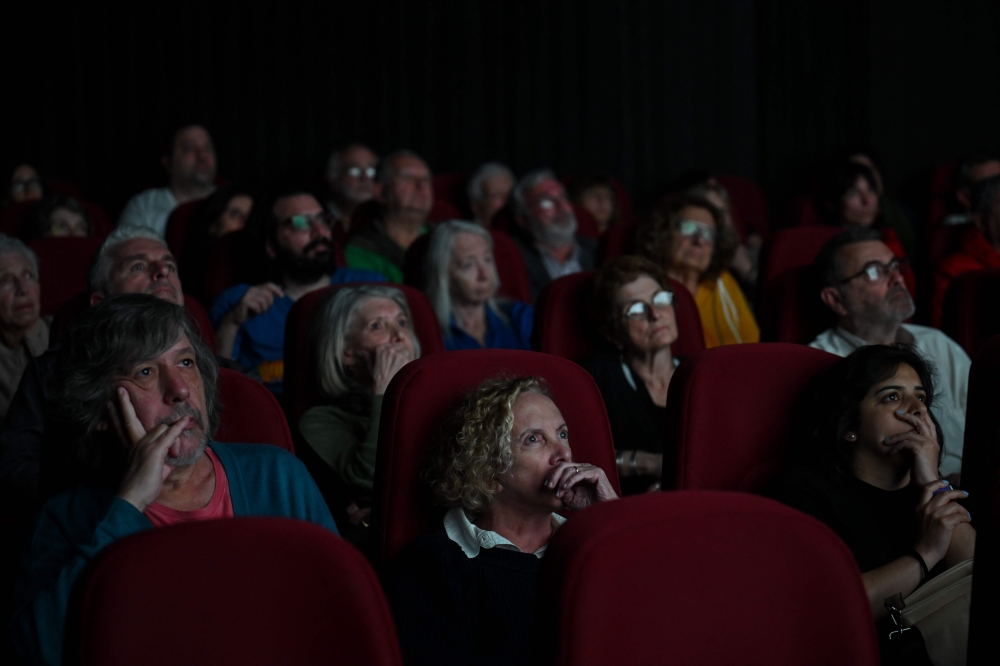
12	262
141	246
359	156
905	375
853	257
378	306
24	172
642	287
182	345
192	136
410	166
468	242
985	170
547	188
296	205
698	214
498	183
532	409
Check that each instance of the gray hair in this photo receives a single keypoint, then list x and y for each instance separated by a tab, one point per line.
109	340
484	173
332	328
439	261
528	182
387	167
9	245
99	275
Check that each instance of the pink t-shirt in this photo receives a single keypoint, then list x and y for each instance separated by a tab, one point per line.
220	506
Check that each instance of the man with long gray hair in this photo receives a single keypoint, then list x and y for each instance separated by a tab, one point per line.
549	244
137	402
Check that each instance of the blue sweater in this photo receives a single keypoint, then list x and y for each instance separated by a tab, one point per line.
499	333
75	526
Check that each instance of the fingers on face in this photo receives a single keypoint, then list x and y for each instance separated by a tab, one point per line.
132	426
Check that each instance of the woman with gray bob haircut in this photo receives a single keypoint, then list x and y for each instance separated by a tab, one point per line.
462	283
361	339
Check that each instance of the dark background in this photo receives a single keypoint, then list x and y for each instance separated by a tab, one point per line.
642	89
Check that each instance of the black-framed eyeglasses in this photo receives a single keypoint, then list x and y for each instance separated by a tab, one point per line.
876	271
303	221
639	310
357	172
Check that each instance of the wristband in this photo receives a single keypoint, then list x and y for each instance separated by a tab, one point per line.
620	461
923	565
631	466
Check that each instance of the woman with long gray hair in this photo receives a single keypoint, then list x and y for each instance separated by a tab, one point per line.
462	283
361	340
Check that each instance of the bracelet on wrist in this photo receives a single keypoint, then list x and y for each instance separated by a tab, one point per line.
620	462
923	565
631	466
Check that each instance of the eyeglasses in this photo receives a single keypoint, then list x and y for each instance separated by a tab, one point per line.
876	271
639	310
304	222
357	172
550	202
694	229
21	186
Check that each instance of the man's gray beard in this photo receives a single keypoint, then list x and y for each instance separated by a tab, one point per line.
191	458
558	234
886	314
183	410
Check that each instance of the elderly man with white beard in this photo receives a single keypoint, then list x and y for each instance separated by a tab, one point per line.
863	286
549	244
136	394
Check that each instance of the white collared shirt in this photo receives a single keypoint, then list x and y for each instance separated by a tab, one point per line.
472	539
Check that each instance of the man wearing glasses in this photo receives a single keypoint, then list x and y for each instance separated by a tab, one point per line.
350	174
863	286
250	320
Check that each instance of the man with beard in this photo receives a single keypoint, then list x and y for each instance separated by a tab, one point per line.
549	244
350	175
864	288
137	397
250	321
189	160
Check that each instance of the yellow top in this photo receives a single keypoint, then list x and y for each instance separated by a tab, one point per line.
725	316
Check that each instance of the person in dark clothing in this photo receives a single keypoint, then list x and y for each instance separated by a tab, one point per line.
634	311
873	477
464	594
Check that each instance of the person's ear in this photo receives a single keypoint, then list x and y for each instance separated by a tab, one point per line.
96	298
832	298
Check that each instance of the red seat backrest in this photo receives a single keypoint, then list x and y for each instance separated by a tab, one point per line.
250	413
970	314
731	410
64	317
791	310
802	211
300	389
177	227
943	240
651	579
254	591
450	188
442	211
421	395
793	248
565	325
940	193
749	205
62	270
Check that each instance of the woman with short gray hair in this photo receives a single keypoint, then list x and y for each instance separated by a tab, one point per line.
24	334
361	339
462	283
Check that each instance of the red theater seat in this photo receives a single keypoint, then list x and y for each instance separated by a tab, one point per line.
253	591
177	227
300	389
450	188
564	321
62	268
749	205
970	314
250	413
421	395
730	412
700	578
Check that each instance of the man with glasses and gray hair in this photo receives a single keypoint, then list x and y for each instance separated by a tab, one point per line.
864	288
350	175
250	320
549	244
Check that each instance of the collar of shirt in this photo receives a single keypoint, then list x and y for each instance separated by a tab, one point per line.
902	335
557	269
471	538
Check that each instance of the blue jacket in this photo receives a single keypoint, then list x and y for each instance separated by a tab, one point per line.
499	333
74	527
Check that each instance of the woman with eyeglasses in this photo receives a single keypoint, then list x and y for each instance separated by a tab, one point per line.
633	306
688	237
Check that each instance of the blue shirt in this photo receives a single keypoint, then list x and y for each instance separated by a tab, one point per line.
499	334
260	341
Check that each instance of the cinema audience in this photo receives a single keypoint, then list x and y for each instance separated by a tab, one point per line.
872	474
58	216
863	286
970	171
891	212
136	393
405	197
350	177
464	593
489	190
979	247
362	338
134	260
189	160
225	211
250	320
548	241
24	334
688	236
633	307
462	283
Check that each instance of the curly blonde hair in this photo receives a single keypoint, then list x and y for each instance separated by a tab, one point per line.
475	451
